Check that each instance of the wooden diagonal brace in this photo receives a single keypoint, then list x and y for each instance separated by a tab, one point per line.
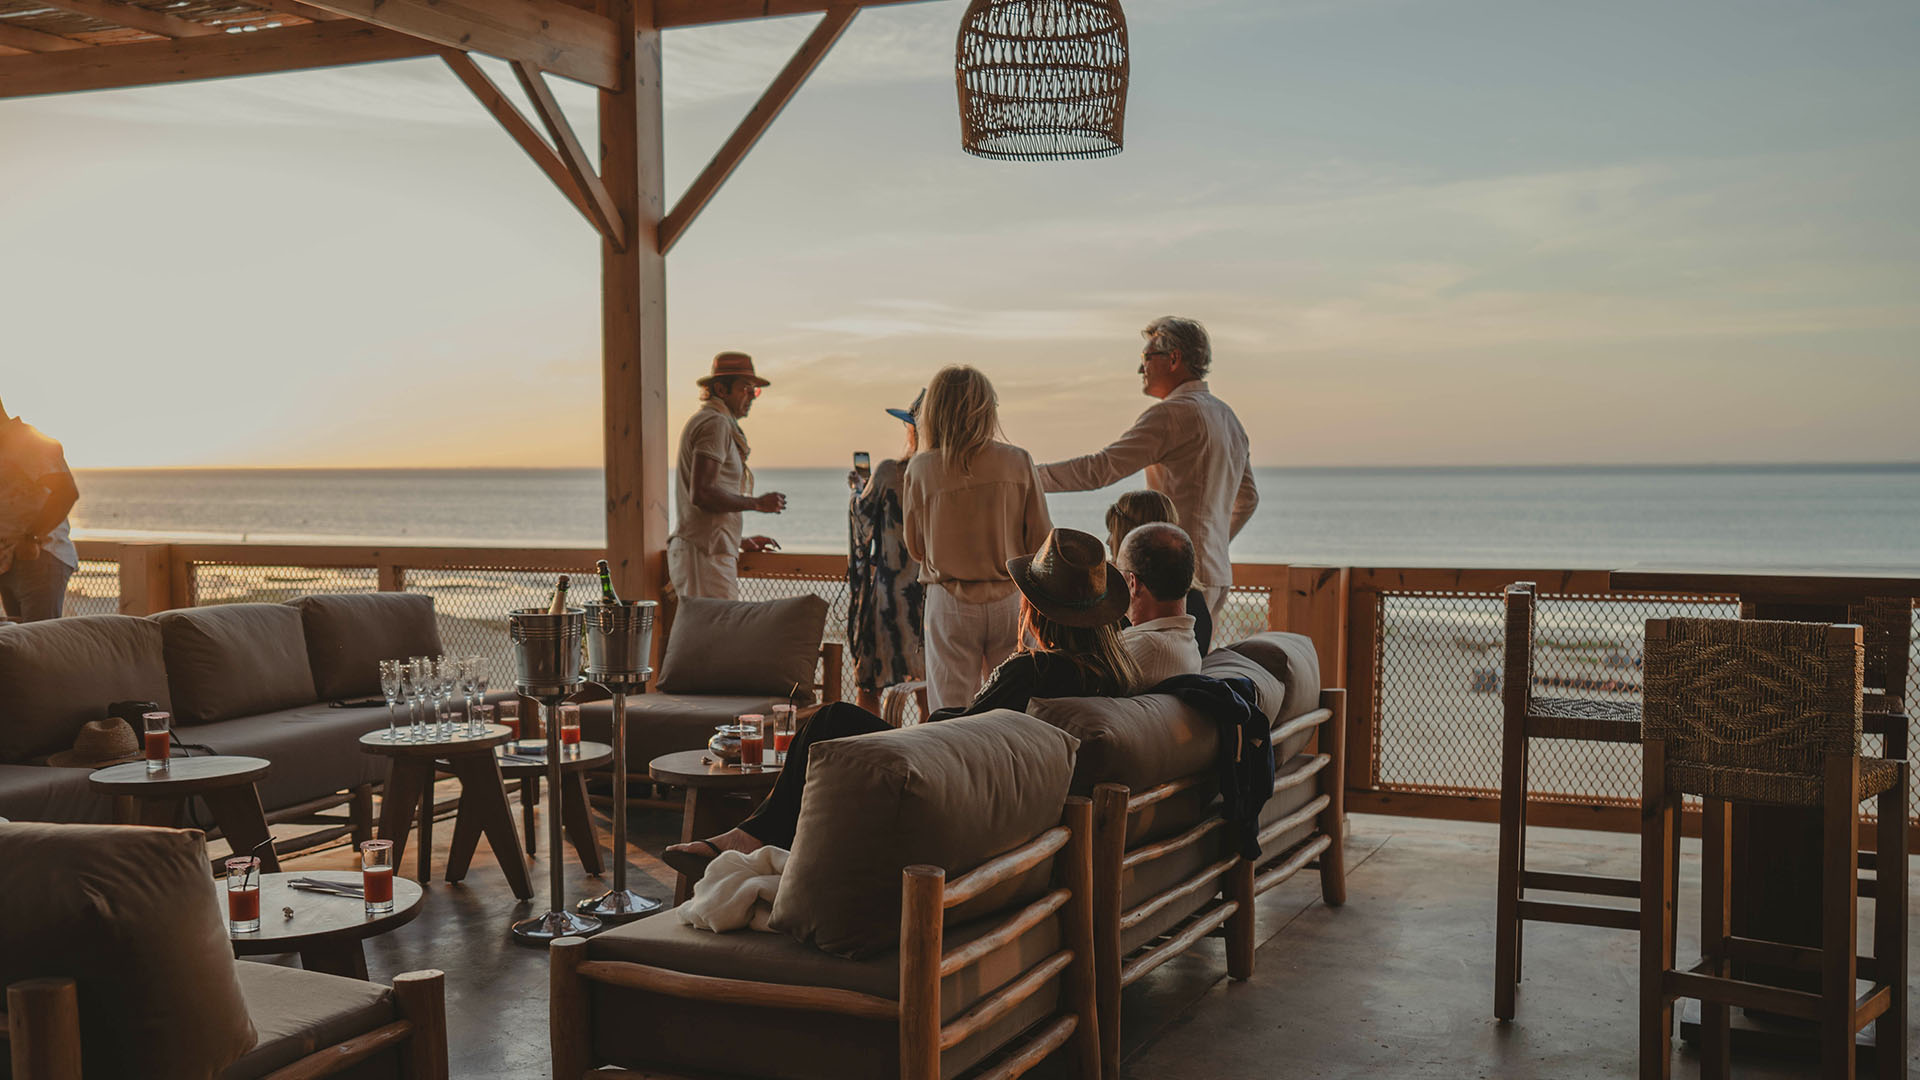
757	120
519	129
598	203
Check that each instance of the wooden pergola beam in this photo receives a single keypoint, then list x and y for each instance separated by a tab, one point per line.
35	41
296	8
293	48
549	34
137	18
671	13
518	128
599	205
757	120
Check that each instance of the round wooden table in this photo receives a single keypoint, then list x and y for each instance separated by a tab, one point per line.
223	783
719	797
483	801
531	769
326	930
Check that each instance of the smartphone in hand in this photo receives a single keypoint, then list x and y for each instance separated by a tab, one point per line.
863	466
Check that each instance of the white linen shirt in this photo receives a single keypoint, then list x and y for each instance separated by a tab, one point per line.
1163	648
711	432
1196	452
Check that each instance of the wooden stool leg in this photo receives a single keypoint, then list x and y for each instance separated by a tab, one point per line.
236	810
426	826
1890	929
484	794
1839	915
466	838
334	956
1506	908
360	803
1716	900
579	823
530	812
400	802
1656	914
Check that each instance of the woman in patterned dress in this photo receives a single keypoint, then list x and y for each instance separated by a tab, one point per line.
884	594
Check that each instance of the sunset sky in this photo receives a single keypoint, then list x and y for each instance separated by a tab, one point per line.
1422	232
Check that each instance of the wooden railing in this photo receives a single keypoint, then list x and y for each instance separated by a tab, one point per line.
1416	649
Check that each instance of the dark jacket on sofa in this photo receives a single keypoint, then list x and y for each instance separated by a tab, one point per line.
1245	761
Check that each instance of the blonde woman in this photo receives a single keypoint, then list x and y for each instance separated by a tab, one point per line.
1146	507
973	502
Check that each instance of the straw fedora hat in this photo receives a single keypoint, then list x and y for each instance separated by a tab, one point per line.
729	364
100	742
1070	581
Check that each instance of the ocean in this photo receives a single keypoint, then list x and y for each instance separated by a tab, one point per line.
1534	518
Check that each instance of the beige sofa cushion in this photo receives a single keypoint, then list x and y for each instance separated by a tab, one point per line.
57	675
1293	659
132	915
235	660
676	1034
297	1012
1141	742
348	634
951	794
738	647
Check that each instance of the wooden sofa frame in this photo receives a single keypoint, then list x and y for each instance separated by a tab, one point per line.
925	895
42	1025
1236	881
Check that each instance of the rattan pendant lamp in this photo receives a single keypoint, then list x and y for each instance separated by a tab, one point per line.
1042	80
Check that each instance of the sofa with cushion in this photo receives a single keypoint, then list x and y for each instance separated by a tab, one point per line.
724	658
1166	873
933	921
125	927
248	679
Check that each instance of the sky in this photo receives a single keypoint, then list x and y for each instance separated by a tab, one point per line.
1421	232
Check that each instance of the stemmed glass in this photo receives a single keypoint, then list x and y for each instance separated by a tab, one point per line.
448	675
419	684
391	682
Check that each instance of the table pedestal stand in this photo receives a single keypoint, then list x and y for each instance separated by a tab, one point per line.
619	903
547	659
619	646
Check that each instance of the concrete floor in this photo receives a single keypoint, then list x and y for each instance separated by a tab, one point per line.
1395	984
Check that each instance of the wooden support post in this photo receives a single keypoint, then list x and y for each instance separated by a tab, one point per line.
422	998
921	912
145	577
569	1009
1317	607
393	577
1109	848
43	1029
634	311
1082	991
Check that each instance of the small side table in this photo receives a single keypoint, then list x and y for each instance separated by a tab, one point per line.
483	800
573	798
326	930
719	797
224	783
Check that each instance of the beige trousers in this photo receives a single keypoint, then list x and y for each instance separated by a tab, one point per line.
702	573
965	642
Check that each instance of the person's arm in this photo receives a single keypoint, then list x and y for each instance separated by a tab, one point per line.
61	495
913	515
1038	521
1143	444
708	495
1245	502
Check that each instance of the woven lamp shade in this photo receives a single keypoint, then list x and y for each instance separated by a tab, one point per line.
1042	80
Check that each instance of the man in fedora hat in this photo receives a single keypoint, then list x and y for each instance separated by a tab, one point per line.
36	493
712	485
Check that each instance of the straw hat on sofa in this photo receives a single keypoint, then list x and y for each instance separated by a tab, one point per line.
1069	580
100	742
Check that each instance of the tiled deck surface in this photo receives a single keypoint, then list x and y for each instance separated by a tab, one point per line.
1395	984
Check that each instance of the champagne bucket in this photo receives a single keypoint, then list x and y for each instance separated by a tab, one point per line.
546	651
620	641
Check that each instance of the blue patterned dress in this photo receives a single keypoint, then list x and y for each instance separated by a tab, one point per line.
885	597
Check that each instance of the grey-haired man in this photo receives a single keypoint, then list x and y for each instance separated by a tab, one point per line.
1191	445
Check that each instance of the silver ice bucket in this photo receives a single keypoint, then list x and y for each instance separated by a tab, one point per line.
546	651
620	641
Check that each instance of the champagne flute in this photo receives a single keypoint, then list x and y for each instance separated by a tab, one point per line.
447	670
477	676
419	676
391	681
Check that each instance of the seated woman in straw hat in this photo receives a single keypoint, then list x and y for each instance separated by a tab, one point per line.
1071	604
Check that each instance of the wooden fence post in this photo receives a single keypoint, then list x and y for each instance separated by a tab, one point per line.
146	577
1317	607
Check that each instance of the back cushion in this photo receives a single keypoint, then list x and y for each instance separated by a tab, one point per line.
349	634
132	916
1292	659
737	647
952	794
1141	742
235	660
58	674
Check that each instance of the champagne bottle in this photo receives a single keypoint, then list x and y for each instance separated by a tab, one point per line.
559	606
606	584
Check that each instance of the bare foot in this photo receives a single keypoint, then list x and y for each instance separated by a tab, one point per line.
732	840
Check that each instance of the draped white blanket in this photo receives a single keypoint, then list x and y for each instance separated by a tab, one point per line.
737	892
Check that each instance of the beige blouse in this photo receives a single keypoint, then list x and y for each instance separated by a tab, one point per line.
962	527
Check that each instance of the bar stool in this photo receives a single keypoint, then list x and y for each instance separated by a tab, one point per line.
1887	623
1741	711
1525	718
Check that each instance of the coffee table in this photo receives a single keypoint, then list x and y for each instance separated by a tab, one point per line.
719	797
531	769
326	930
483	800
224	783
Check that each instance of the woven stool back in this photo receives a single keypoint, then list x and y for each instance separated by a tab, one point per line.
1750	709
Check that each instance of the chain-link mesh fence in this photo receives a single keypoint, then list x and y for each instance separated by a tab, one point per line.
237	583
94	588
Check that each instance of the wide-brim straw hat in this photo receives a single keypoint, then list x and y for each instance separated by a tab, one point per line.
910	414
1070	581
729	364
100	742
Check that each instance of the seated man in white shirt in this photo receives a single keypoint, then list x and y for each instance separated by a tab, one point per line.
1157	559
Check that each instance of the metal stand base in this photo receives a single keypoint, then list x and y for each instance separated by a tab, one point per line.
616	905
542	929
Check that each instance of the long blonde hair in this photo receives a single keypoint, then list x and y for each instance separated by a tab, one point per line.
1110	669
961	415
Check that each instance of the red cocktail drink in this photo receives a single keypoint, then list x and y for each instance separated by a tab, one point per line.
753	747
377	883
243	904
159	748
